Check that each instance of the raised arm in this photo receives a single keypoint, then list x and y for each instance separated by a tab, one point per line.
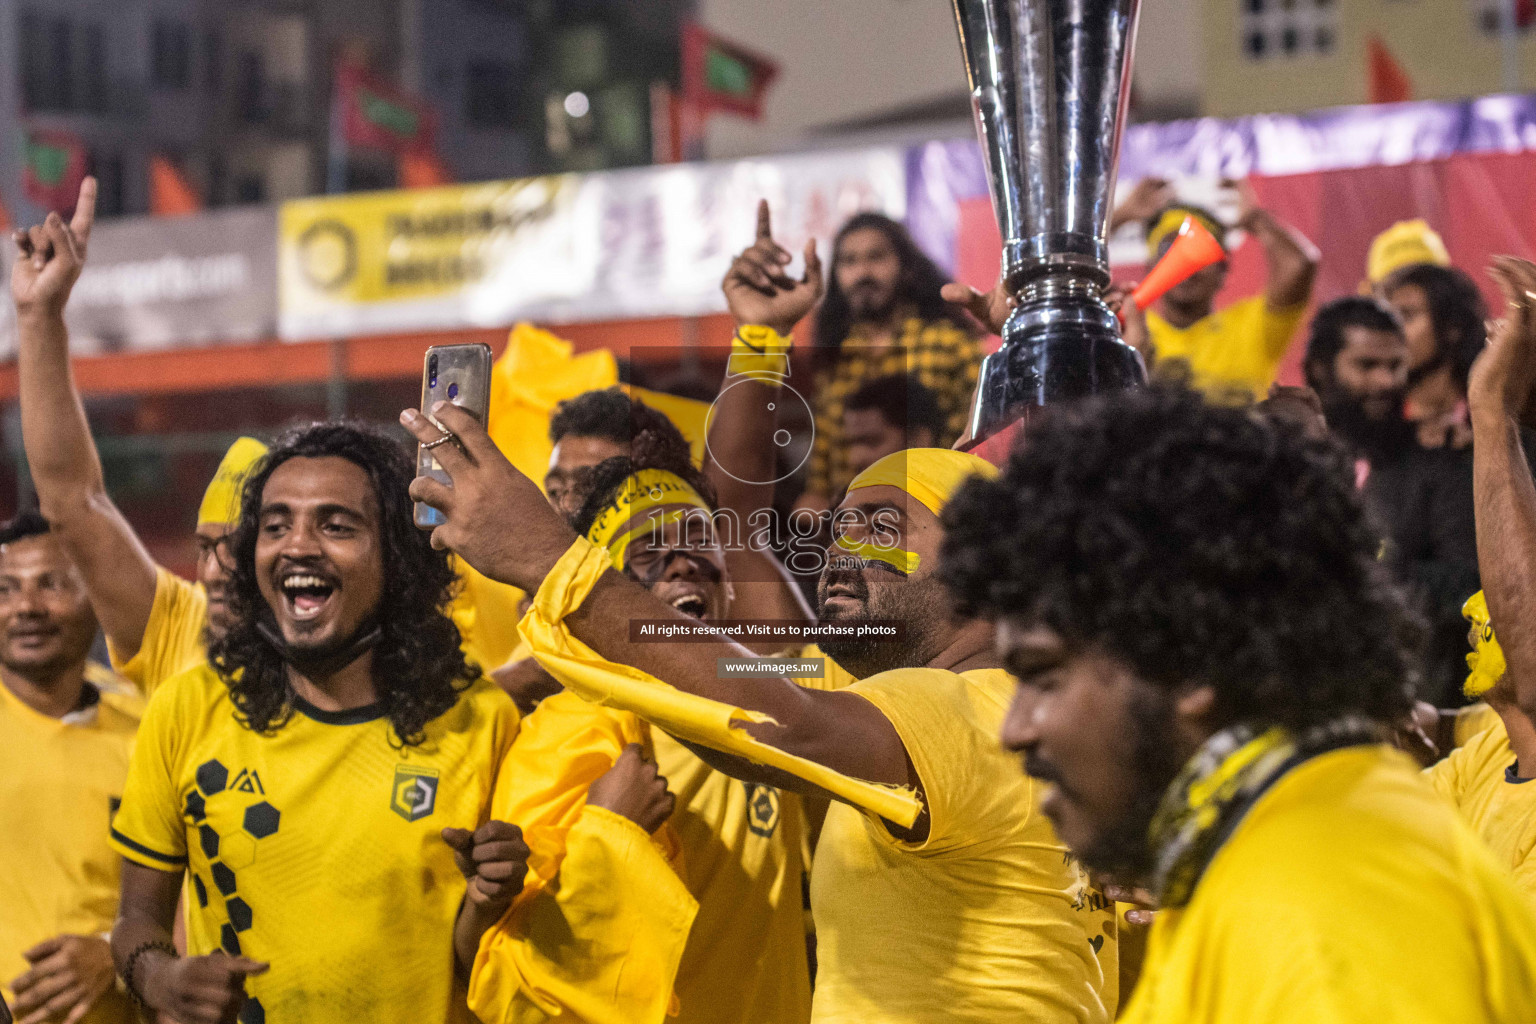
1499	395
742	459
66	470
838	729
1290	256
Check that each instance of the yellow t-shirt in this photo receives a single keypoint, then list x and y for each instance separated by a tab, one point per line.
1349	893
1239	347
987	920
487	613
58	873
735	846
1502	809
1473	719
173	636
317	848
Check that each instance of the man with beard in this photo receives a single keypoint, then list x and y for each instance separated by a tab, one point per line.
1208	656
1357	361
883	314
67	743
1239	348
723	926
323	785
968	911
156	623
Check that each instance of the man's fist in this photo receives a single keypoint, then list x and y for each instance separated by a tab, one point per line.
633	789
200	989
494	861
49	258
1503	382
68	974
756	288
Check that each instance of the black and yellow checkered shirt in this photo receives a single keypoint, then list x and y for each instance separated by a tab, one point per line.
944	358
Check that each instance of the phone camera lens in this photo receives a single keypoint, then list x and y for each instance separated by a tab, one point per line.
453	391
432	372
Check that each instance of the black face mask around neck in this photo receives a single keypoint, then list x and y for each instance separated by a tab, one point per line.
325	661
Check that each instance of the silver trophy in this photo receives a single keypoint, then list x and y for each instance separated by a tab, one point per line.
1050	80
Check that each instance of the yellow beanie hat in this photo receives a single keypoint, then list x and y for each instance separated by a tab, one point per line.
1404	244
221	502
931	475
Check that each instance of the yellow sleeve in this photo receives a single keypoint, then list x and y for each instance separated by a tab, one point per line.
1277	327
921	704
1444	776
556	951
173	636
147	828
1473	719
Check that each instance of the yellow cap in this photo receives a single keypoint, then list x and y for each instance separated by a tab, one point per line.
221	502
1402	245
931	475
1487	658
644	493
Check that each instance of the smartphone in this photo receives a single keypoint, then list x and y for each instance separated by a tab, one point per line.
460	374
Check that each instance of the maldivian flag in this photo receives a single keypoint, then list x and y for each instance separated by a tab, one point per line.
376	115
53	167
722	75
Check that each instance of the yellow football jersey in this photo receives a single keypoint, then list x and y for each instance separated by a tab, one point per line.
58	872
987	920
1239	347
317	848
173	636
1499	805
1349	892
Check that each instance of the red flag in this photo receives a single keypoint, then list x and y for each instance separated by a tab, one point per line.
54	167
722	75
376	115
1389	83
422	170
170	194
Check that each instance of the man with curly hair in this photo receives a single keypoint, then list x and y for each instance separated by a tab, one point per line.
323	785
1208	657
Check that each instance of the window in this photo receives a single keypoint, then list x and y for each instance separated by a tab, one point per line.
93	68
490	95
171	55
1490	16
1288	28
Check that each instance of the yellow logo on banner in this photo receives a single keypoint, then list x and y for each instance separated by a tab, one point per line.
385	247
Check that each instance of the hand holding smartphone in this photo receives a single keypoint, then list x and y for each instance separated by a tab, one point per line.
460	374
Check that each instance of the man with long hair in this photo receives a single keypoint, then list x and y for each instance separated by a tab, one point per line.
1209	657
882	315
323	785
1443	317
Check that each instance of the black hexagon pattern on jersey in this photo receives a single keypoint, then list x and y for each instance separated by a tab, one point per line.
212	777
223	878
261	820
239	913
229	941
197	809
253	1012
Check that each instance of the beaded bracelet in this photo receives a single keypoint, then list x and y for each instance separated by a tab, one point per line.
133	961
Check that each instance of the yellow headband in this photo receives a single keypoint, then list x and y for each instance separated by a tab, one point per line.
642	494
1404	244
1170	220
931	475
1487	658
221	502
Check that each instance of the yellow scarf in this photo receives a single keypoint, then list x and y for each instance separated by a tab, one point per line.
688	717
1486	660
630	515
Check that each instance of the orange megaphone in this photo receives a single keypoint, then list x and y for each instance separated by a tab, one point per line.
1192	250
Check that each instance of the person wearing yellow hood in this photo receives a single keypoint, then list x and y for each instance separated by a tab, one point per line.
154	621
1486	778
950	899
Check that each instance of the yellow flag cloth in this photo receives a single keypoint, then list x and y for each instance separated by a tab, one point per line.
931	475
604	949
221	502
686	716
1404	244
1486	660
486	612
537	372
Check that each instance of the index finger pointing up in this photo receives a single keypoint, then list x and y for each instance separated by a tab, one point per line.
85	211
764	224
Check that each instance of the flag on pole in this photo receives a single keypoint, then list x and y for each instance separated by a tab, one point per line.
53	167
722	75
376	115
422	170
1388	83
170	194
